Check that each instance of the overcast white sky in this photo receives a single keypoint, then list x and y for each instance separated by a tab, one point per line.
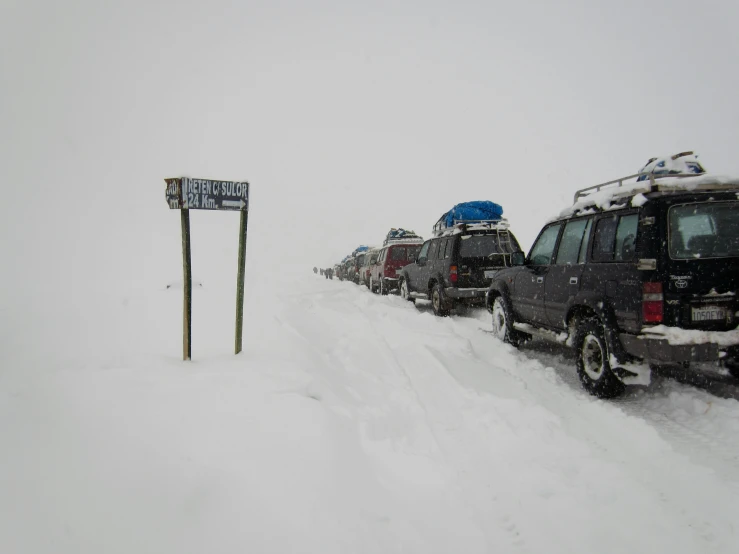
347	117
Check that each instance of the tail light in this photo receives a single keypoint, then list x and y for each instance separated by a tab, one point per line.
453	274
652	303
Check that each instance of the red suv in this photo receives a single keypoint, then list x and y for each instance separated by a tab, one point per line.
391	259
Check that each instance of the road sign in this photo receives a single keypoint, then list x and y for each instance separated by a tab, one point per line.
186	193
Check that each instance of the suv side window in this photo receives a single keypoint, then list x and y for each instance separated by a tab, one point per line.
585	241
615	238
605	236
433	249
626	237
541	252
570	245
443	247
422	255
449	247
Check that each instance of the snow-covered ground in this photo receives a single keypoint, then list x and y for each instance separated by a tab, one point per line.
350	423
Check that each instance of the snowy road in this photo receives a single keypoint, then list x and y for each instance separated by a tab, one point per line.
357	423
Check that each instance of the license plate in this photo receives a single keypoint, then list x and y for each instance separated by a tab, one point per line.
708	313
489	274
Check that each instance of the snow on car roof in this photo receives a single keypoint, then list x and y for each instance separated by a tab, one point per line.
616	194
409	240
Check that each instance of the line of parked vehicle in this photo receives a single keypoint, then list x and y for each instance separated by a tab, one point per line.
639	272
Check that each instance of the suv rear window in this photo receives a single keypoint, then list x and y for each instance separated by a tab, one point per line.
704	230
403	253
482	246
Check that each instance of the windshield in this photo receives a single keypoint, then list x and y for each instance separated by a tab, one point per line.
704	230
482	246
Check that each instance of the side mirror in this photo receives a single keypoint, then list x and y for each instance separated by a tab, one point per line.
518	258
421	261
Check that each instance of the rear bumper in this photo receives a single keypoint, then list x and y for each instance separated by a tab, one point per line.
659	350
476	294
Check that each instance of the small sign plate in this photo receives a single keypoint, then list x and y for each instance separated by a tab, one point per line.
186	193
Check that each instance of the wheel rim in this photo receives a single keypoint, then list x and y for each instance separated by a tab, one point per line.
592	357
499	321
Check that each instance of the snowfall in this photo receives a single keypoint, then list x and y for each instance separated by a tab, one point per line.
351	422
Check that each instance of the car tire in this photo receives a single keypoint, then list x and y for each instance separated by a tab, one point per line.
372	286
593	365
503	322
405	292
383	287
733	367
439	302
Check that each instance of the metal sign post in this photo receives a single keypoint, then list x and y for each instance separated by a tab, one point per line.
187	286
185	194
240	281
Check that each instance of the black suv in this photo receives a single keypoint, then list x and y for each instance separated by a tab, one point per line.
456	266
632	276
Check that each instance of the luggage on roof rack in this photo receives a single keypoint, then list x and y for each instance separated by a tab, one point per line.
481	214
401	235
681	165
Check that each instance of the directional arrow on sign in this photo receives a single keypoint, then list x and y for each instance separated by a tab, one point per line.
185	193
234	204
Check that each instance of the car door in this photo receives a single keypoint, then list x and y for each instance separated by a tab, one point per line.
416	270
528	291
563	278
611	270
432	263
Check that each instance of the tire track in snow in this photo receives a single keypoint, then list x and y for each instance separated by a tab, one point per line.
506	522
570	402
703	444
608	428
719	453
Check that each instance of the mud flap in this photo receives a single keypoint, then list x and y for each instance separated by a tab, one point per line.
628	370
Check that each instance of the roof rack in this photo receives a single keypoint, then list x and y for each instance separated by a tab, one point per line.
650	184
462	225
403	240
399	235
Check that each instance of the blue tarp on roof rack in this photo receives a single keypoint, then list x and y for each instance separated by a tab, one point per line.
479	210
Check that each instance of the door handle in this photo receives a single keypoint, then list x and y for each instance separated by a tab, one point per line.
540	279
573	280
